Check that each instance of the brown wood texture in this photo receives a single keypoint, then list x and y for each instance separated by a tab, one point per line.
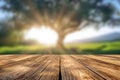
59	67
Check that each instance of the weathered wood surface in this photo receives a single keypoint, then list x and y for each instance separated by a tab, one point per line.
59	67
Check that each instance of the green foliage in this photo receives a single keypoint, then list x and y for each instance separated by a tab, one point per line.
83	48
97	47
9	35
89	10
20	49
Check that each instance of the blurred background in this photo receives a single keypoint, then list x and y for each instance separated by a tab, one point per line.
59	26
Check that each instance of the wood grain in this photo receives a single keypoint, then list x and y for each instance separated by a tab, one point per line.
59	67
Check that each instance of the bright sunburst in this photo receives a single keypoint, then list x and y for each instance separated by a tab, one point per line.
43	35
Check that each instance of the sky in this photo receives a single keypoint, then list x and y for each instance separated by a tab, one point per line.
90	33
85	33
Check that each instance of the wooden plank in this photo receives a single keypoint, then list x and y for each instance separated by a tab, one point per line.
38	65
112	57
105	59
72	70
10	62
12	70
107	70
46	69
13	59
52	70
92	70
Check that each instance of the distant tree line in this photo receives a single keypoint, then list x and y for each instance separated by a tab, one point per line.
9	35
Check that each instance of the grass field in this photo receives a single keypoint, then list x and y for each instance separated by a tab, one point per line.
19	49
83	48
99	48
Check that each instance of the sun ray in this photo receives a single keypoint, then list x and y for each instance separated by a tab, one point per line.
60	16
35	12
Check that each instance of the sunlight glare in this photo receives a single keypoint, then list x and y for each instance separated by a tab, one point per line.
43	35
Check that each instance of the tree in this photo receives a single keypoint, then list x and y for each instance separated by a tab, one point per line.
9	35
64	16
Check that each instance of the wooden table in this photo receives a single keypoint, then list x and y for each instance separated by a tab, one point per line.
59	67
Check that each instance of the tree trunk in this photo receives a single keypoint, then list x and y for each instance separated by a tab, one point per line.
60	44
